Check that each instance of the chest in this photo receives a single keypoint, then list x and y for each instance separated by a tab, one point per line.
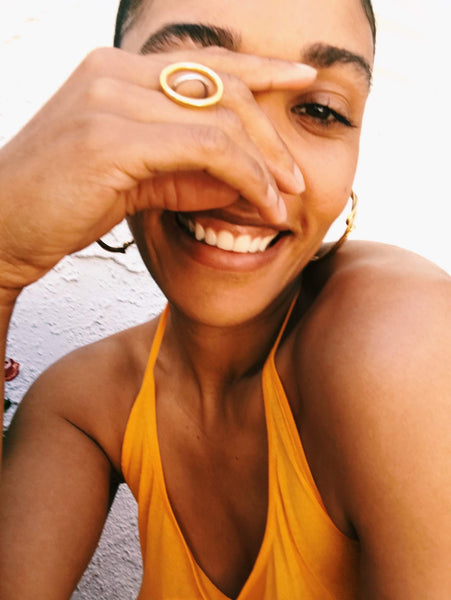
238	505
216	480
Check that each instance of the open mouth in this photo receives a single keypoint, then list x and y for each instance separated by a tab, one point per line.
224	239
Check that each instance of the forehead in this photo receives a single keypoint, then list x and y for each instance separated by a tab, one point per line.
267	27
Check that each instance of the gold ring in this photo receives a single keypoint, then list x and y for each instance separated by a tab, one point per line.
192	72
191	76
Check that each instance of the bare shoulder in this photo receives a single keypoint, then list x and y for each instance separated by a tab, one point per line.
94	387
375	357
376	263
379	296
387	313
61	464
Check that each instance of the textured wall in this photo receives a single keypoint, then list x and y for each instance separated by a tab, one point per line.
115	569
86	297
402	182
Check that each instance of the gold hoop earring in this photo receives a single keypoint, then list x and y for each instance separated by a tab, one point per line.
350	226
118	249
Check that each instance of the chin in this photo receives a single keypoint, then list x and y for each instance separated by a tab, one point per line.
225	304
218	286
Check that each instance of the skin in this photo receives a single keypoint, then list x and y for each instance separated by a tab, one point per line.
368	343
328	178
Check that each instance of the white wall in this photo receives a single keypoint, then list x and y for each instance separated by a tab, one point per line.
403	178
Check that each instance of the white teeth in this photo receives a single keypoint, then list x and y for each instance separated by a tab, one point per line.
242	244
199	232
255	245
225	240
265	242
210	237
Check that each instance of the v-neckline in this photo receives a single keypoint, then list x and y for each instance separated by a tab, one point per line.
216	593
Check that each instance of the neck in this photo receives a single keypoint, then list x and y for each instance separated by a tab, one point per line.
215	361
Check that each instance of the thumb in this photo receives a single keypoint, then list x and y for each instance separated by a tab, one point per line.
182	191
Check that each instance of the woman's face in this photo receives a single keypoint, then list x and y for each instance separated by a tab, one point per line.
221	287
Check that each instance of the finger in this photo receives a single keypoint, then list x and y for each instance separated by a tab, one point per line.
148	150
261	130
257	72
252	129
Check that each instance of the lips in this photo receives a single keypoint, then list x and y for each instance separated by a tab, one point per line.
228	236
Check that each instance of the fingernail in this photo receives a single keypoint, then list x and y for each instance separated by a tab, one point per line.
299	178
272	197
306	70
295	76
282	209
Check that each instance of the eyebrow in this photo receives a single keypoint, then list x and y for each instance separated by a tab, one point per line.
323	56
318	55
172	36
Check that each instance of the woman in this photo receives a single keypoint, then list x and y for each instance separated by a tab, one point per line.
277	439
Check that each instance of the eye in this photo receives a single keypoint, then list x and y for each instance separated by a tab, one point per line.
321	114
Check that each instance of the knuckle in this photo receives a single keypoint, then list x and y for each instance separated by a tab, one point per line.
257	174
98	59
99	90
228	118
235	85
211	140
272	62
237	92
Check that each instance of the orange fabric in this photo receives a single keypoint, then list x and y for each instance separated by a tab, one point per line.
303	554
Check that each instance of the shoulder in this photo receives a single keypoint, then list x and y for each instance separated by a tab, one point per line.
94	387
379	330
376	355
375	297
379	313
62	460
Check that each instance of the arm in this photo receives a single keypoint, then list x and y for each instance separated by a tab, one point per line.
109	144
376	360
56	489
62	465
397	444
61	470
402	507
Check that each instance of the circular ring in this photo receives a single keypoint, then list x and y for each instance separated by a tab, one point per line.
194	72
350	226
191	76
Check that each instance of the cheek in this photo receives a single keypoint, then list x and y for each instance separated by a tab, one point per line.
328	163
328	166
140	225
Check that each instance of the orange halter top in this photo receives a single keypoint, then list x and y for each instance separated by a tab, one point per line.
303	555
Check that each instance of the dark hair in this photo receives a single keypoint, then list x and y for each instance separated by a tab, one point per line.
129	10
368	8
126	14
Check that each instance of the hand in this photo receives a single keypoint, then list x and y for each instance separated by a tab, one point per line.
110	143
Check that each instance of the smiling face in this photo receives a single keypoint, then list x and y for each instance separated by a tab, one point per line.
238	266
